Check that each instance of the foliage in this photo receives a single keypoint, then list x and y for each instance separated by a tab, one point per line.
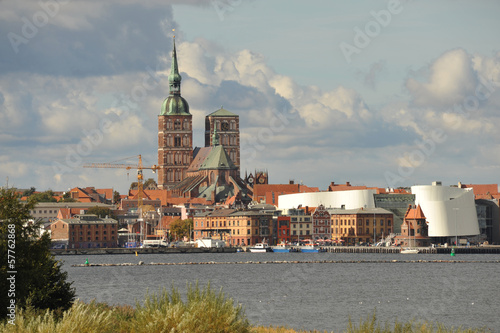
147	183
47	196
204	311
181	228
101	211
29	192
39	280
116	197
67	197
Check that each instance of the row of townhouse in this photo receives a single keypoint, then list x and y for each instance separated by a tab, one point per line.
348	226
236	227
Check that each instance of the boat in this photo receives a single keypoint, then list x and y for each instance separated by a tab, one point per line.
409	251
282	248
261	247
309	249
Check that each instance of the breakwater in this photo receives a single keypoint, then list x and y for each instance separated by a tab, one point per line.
251	262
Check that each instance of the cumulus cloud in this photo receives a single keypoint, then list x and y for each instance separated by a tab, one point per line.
450	79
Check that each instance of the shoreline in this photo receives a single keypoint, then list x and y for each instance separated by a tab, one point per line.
491	249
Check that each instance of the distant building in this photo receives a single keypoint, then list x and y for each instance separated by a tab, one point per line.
450	211
397	203
49	211
235	227
414	230
352	226
85	231
300	224
283	230
321	224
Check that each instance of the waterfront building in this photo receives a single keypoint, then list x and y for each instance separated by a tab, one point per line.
450	211
321	224
235	226
352	226
414	230
397	203
300	224
283	230
85	231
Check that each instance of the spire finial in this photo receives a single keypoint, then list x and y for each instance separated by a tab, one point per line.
174	79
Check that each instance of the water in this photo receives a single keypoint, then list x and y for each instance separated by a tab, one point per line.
312	296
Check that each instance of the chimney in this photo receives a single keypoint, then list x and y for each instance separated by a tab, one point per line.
291	182
347	183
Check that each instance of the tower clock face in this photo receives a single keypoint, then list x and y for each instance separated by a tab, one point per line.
225	126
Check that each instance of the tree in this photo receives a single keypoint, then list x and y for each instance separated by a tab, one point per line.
29	273
116	197
29	192
47	196
101	211
181	228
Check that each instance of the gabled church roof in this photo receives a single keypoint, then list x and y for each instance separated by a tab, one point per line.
222	113
218	159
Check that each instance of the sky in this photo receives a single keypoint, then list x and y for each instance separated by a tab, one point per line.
377	93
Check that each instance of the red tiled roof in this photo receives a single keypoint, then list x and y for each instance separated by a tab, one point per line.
414	213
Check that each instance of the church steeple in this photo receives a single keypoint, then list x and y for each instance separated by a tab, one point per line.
174	78
215	137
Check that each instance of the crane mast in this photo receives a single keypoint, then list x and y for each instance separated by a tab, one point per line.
140	181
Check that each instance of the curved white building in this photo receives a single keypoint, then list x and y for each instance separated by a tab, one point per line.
348	199
450	211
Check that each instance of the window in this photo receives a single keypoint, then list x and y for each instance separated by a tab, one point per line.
248	231
381	223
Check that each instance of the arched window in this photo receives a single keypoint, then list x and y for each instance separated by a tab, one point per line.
177	141
177	124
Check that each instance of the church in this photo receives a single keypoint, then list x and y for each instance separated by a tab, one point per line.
211	172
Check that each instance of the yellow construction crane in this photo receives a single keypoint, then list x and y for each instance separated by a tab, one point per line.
140	177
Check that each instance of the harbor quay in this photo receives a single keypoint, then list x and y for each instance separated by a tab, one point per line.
492	249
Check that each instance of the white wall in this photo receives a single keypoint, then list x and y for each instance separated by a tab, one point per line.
450	211
351	199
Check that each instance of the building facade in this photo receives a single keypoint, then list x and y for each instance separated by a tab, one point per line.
85	231
321	224
235	227
352	226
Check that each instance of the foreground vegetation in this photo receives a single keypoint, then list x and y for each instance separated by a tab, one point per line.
203	310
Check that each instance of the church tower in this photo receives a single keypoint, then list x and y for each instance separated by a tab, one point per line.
175	132
227	125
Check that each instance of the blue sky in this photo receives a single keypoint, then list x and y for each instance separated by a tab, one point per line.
83	81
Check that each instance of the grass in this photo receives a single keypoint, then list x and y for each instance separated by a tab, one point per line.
204	310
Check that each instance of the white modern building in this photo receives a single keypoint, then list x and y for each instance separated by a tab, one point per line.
450	211
353	199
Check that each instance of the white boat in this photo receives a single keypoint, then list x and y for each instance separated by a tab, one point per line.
261	247
409	251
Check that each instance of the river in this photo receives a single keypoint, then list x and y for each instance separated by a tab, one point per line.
310	296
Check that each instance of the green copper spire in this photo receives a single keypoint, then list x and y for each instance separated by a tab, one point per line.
215	137
174	79
174	104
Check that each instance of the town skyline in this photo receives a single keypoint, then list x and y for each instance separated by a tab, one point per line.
383	93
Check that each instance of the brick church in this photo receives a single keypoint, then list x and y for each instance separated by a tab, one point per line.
211	172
